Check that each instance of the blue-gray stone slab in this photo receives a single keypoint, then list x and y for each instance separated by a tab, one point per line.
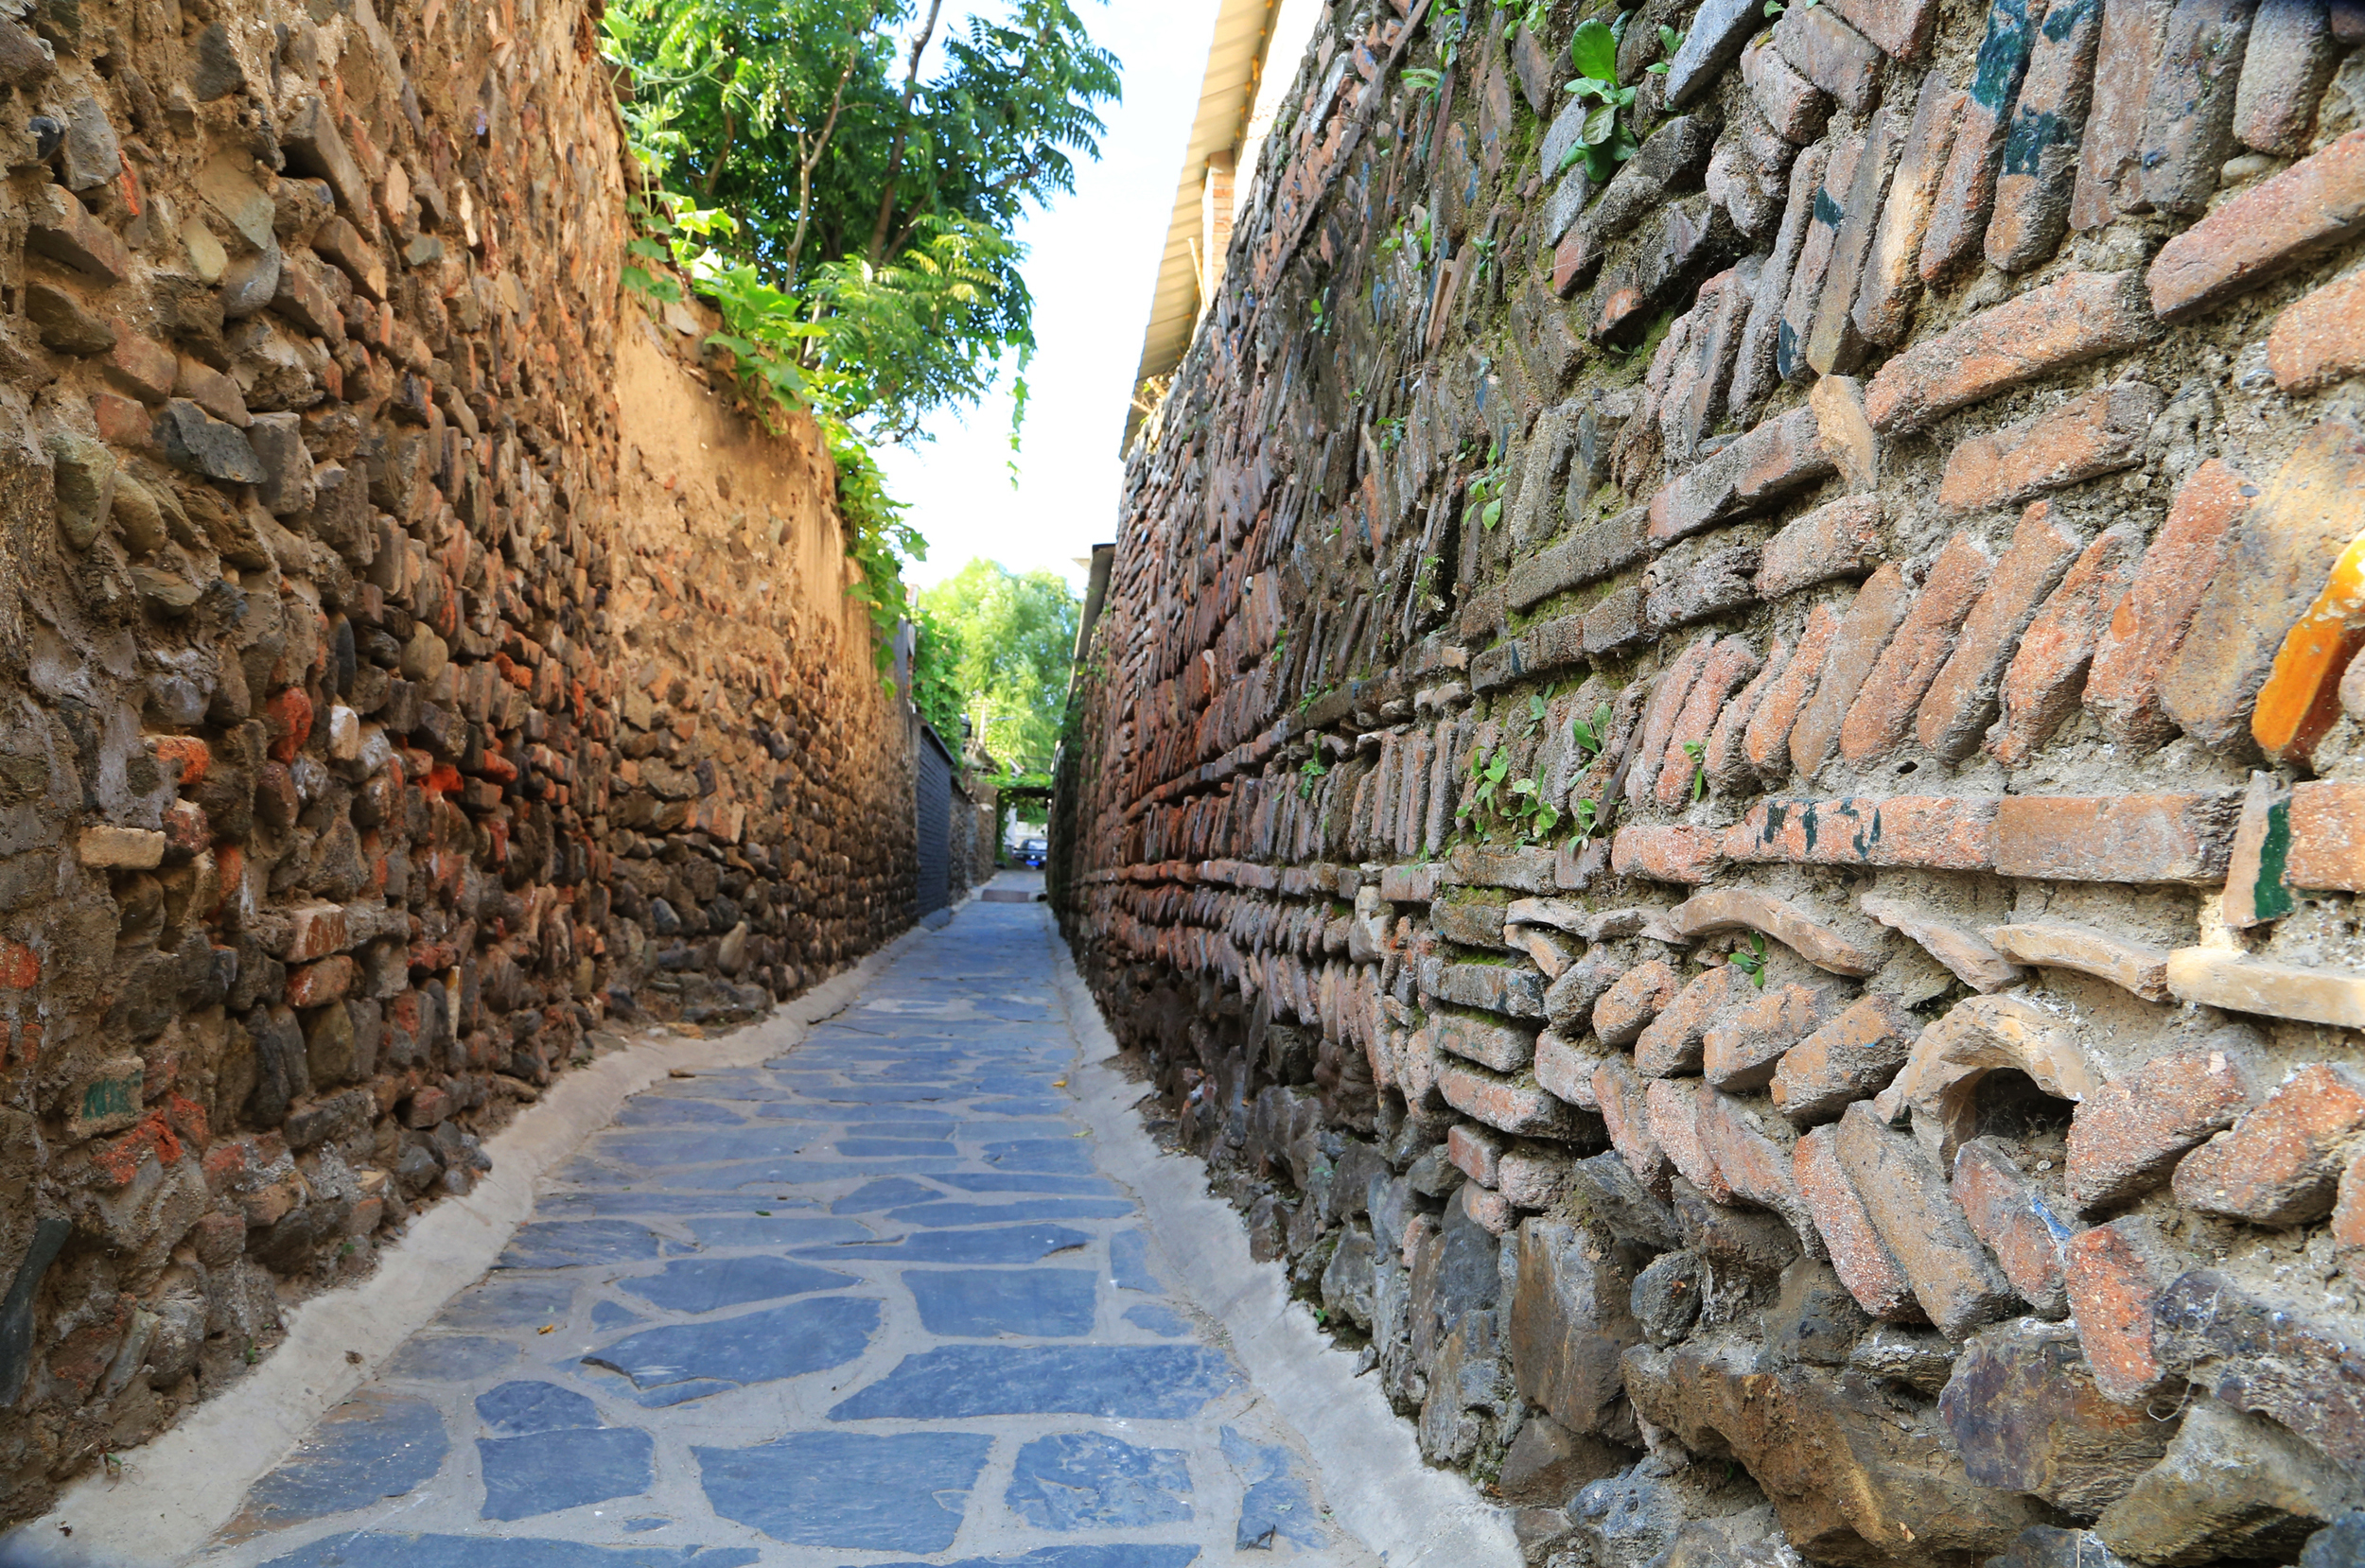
1019	1181
1067	1157
509	1302
980	1303
472	1551
678	1113
574	1243
1014	1244
1159	1383
894	1148
1277	1502
516	1410
449	1358
1091	1481
777	1230
1129	1261
1158	1319
1075	1557
888	1193
900	1493
551	1470
372	1446
709	1284
757	1347
590	1206
1000	1214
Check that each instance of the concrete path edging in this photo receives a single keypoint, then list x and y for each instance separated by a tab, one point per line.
1372	1472
181	1487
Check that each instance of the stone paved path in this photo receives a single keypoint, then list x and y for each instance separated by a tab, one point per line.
869	1303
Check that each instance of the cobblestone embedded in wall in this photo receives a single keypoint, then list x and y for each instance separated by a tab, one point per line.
1728	804
405	663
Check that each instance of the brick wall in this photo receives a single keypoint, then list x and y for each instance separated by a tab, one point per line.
408	665
1727	805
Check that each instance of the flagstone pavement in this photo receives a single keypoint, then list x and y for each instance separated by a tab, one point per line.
870	1303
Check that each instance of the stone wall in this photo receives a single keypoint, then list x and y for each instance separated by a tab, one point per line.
408	664
1728	804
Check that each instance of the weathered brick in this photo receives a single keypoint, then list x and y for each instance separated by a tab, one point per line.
1883	709
1729	665
2275	1357
1719	29
1709	583
2130	965
111	848
1782	455
1901	28
1891	282
2130	838
1740	1052
2326	847
1566	1068
1728	908
1668	695
1680	854
2266	231
1633	1001
2126	1137
1832	55
1841	538
2114	1274
2319	339
2149	624
57	226
1726	762
2075	317
1752	1166
1589	553
2300	700
1767	741
318	984
1533	1176
1755	370
2289	61
1472	922
1935	832
1880	606
1795	107
1490	1210
1969	956
2281	1163
2047	674
1965	198
1940	1080
2188	112
1833	343
1669	1043
2039	166
2099	433
1513	1105
2023	1406
2007	1212
1961	701
2216	977
1853	1055
1504	1047
1673	1107
314	930
1478	1151
1616	623
2109	174
1861	1259
1823	213
2289	540
1626	1113
1905	1194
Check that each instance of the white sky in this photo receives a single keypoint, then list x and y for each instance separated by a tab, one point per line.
1093	266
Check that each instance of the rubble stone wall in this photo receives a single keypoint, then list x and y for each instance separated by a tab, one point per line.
1729	805
408	663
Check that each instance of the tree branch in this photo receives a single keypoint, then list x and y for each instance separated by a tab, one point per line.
902	132
806	164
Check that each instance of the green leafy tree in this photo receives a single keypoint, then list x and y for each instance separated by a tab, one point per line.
1017	636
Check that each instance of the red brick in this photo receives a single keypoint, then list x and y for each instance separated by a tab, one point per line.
2048	671
1853	1055
141	366
187	757
2348	1220
1961	701
1861	1259
2148	625
2285	66
1892	282
2300	700
1792	105
2263	232
318	984
1767	741
1637	997
2320	339
2114	1274
20	966
1509	1105
1750	1165
290	718
60	228
2126	1137
1669	1043
2032	191
1807	274
122	421
1658	718
1935	832
1830	53
1907	1194
1901	28
314	930
1835	344
1839	539
1884	710
2327	844
1965	198
1728	664
1726	762
2098	433
2277	565
1626	1113
1488	1041
1491	1210
2188	112
2130	838
1740	1052
1671	854
2280	1163
1478	1151
2074	317
2109	173
1781	455
1880	606
2008	1214
1673	1107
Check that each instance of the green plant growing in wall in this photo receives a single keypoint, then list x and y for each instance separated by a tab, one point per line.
1751	961
1591	734
1310	772
1669	41
1693	749
1607	138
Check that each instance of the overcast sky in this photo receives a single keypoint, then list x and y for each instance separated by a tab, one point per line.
1093	263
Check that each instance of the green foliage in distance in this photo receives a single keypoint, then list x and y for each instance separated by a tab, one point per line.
1017	636
937	675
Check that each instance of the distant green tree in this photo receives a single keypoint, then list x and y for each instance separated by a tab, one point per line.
936	676
1017	636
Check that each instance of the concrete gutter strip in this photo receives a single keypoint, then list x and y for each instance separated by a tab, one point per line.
176	1491
1372	1472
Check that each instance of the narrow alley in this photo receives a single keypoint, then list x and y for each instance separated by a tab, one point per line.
877	1295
